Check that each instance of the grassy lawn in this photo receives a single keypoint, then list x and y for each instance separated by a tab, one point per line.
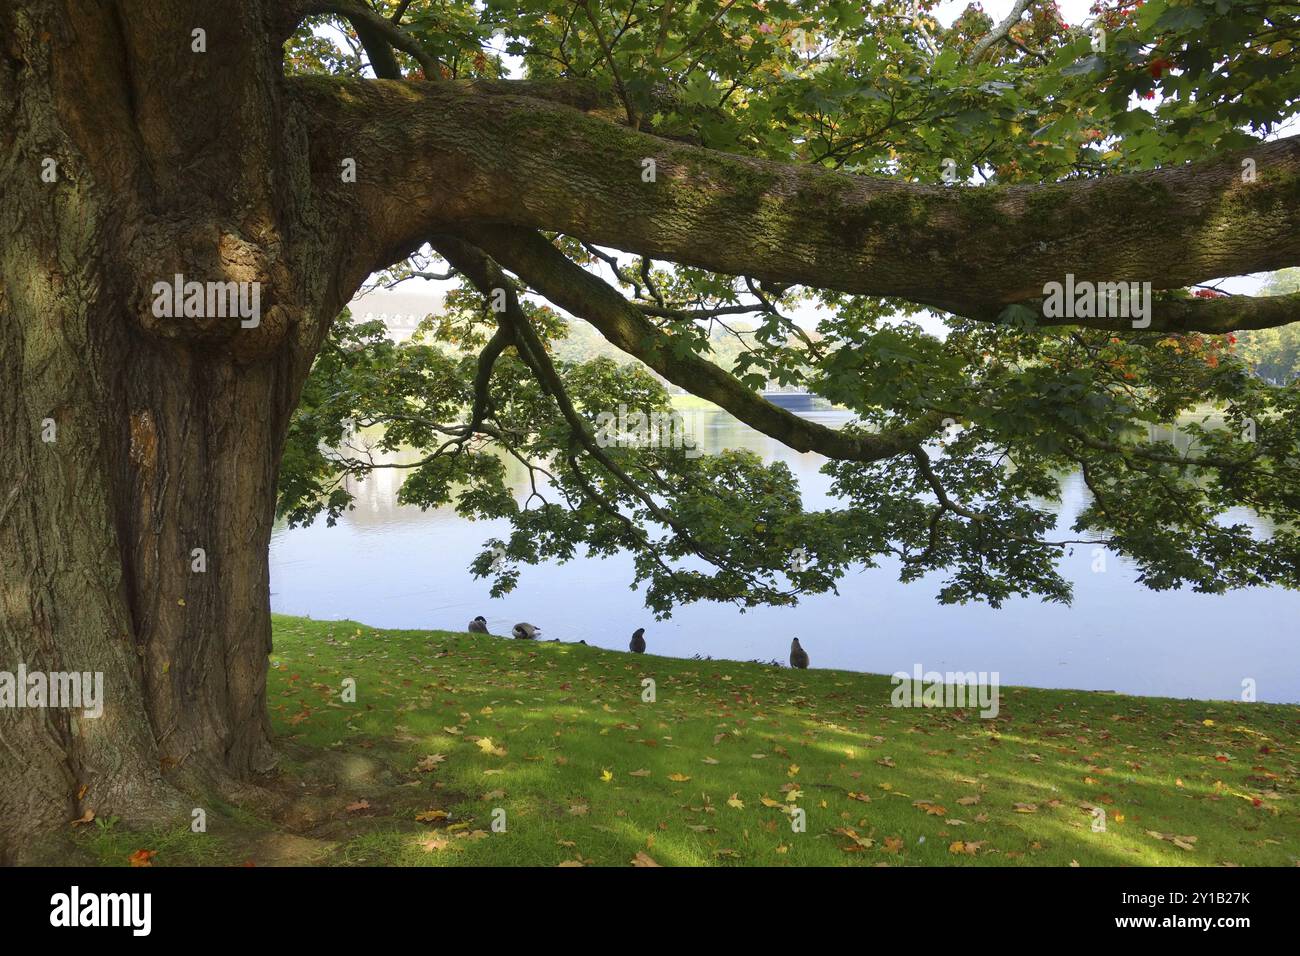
449	728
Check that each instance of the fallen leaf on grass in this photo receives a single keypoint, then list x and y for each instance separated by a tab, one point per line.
641	859
678	777
428	816
859	843
1182	842
142	857
358	806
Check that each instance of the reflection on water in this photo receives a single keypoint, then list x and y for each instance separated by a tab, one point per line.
395	566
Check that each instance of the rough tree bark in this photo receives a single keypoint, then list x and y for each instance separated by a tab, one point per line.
209	163
167	432
440	155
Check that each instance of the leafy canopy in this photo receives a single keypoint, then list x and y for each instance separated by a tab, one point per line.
878	89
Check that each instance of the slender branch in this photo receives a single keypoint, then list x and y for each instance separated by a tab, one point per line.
487	276
483	375
1000	31
695	315
376	30
587	296
608	51
946	503
1203	461
430	276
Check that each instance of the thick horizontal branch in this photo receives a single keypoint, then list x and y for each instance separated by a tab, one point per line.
587	296
436	157
1234	313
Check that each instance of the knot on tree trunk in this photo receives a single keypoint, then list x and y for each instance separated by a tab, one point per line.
212	287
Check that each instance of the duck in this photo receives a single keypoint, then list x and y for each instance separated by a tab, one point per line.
524	631
638	641
478	626
798	656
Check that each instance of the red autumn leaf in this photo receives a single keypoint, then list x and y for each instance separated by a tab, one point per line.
1159	67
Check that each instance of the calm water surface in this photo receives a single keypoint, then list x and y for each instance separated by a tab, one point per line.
389	565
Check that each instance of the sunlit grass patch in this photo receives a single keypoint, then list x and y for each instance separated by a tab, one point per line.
475	750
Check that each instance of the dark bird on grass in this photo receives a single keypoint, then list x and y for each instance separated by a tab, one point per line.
798	656
638	641
479	625
525	632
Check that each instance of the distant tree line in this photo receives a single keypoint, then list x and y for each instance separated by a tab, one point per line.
1274	354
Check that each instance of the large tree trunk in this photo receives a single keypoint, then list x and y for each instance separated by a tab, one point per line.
157	452
166	433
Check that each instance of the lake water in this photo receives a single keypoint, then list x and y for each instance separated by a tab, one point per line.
395	566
